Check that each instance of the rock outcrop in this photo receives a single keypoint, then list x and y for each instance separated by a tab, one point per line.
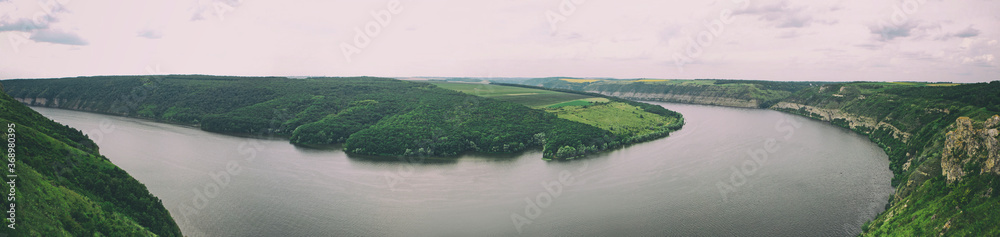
855	122
683	98
74	104
971	143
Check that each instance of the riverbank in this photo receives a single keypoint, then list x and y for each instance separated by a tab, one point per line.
908	120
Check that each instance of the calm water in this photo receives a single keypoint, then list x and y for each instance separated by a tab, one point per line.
709	179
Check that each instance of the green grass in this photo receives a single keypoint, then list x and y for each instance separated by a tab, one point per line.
624	120
370	116
66	188
535	98
619	118
662	82
486	90
966	208
580	102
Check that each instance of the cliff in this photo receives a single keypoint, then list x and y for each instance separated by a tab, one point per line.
848	120
64	187
731	93
370	116
941	139
971	144
699	98
72	104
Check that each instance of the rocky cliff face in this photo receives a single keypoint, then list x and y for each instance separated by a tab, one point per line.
970	144
855	122
75	104
683	98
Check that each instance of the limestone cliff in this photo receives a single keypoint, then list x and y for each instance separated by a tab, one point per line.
74	104
970	144
853	121
708	99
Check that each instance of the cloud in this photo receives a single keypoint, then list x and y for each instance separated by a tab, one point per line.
150	34
781	15
788	34
967	32
869	46
888	32
38	21
57	37
983	60
25	25
768	39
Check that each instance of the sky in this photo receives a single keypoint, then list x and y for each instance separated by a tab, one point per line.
822	40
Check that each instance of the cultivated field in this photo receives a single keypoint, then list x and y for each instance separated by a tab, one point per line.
616	117
535	98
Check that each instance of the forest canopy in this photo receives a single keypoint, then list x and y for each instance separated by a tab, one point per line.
372	116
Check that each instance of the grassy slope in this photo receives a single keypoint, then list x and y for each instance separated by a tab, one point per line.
924	204
535	98
579	102
56	192
372	116
763	93
619	118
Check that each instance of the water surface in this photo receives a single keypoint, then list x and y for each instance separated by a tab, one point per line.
709	179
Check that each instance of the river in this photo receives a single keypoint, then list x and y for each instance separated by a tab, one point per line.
729	171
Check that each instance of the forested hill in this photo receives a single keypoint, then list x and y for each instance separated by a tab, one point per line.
941	138
942	145
733	93
373	116
64	187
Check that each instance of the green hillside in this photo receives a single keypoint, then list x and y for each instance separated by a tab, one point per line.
530	97
734	93
941	138
371	116
630	121
64	187
942	147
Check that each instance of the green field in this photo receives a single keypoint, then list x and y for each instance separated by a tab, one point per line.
580	102
369	116
535	98
760	94
618	118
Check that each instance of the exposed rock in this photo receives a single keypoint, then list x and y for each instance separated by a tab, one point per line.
683	98
966	143
75	104
992	122
854	121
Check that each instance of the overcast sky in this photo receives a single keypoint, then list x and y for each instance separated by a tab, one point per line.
825	40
